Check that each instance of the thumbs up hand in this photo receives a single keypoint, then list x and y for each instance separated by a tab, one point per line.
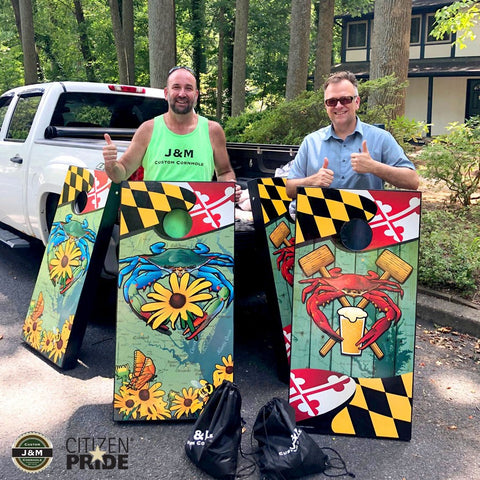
362	162
324	176
109	151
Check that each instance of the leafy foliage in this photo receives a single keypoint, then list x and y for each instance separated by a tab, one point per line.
290	121
455	159
450	250
460	17
407	131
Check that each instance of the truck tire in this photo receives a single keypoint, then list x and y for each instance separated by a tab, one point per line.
51	208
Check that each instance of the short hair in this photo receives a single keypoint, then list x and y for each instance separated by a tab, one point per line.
181	67
337	77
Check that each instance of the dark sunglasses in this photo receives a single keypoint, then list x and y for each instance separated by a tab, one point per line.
174	69
332	102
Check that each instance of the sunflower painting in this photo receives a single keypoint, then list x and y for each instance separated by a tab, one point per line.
186	403
66	259
181	301
175	301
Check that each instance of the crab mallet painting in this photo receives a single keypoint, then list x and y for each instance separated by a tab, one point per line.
354	308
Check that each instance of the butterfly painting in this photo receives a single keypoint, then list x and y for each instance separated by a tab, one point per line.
143	371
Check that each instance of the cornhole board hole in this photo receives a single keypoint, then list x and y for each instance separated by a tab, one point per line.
174	342
67	279
270	207
354	307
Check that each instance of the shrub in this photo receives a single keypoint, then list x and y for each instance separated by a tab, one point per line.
450	250
455	158
290	121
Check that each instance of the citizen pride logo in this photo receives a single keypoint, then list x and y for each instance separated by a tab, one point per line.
97	453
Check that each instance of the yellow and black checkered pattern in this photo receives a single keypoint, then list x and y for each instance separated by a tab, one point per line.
144	204
273	198
381	407
78	180
322	212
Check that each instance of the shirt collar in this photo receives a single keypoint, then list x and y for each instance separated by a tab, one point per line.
330	132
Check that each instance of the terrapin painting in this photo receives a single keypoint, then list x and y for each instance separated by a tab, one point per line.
175	298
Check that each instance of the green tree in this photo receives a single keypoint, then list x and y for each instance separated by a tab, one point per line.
390	46
459	18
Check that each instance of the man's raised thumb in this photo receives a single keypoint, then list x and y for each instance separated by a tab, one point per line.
325	163
108	139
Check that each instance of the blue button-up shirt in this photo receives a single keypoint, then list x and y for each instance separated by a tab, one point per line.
325	143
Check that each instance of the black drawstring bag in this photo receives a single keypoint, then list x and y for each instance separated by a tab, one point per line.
215	440
286	451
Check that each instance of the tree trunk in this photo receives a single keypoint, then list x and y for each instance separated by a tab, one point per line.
119	40
239	57
84	41
297	71
129	40
390	46
28	42
161	35
323	52
198	29
221	45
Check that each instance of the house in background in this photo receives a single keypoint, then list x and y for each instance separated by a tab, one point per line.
444	80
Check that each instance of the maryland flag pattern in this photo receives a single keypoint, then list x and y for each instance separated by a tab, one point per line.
78	180
322	212
144	204
273	197
381	407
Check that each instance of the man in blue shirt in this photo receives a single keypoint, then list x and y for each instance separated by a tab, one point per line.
349	153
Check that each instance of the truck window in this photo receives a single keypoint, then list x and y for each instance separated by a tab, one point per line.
4	103
83	109
22	118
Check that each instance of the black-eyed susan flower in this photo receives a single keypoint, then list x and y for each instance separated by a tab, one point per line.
66	258
124	402
59	348
224	371
186	403
180	301
151	404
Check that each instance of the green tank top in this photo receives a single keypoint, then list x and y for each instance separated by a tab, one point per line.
182	158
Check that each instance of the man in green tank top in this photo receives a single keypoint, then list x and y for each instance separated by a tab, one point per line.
179	145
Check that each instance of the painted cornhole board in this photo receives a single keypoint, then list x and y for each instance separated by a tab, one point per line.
270	204
354	307
174	342
66	283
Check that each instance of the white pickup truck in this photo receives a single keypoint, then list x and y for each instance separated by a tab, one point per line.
47	127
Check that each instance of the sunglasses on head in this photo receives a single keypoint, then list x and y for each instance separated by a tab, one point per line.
178	67
332	102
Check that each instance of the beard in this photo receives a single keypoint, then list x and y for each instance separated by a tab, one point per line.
181	109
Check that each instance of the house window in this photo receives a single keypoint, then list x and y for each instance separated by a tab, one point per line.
415	27
357	35
430	25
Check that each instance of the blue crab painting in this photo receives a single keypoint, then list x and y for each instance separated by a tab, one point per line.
68	251
198	291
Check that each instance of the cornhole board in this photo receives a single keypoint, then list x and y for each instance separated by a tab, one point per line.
174	342
270	208
354	307
66	283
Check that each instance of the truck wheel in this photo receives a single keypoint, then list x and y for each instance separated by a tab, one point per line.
51	208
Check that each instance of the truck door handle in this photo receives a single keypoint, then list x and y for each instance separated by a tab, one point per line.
16	159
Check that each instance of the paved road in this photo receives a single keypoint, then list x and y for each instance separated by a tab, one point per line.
72	408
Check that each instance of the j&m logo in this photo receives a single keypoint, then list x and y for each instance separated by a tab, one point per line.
97	453
32	452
